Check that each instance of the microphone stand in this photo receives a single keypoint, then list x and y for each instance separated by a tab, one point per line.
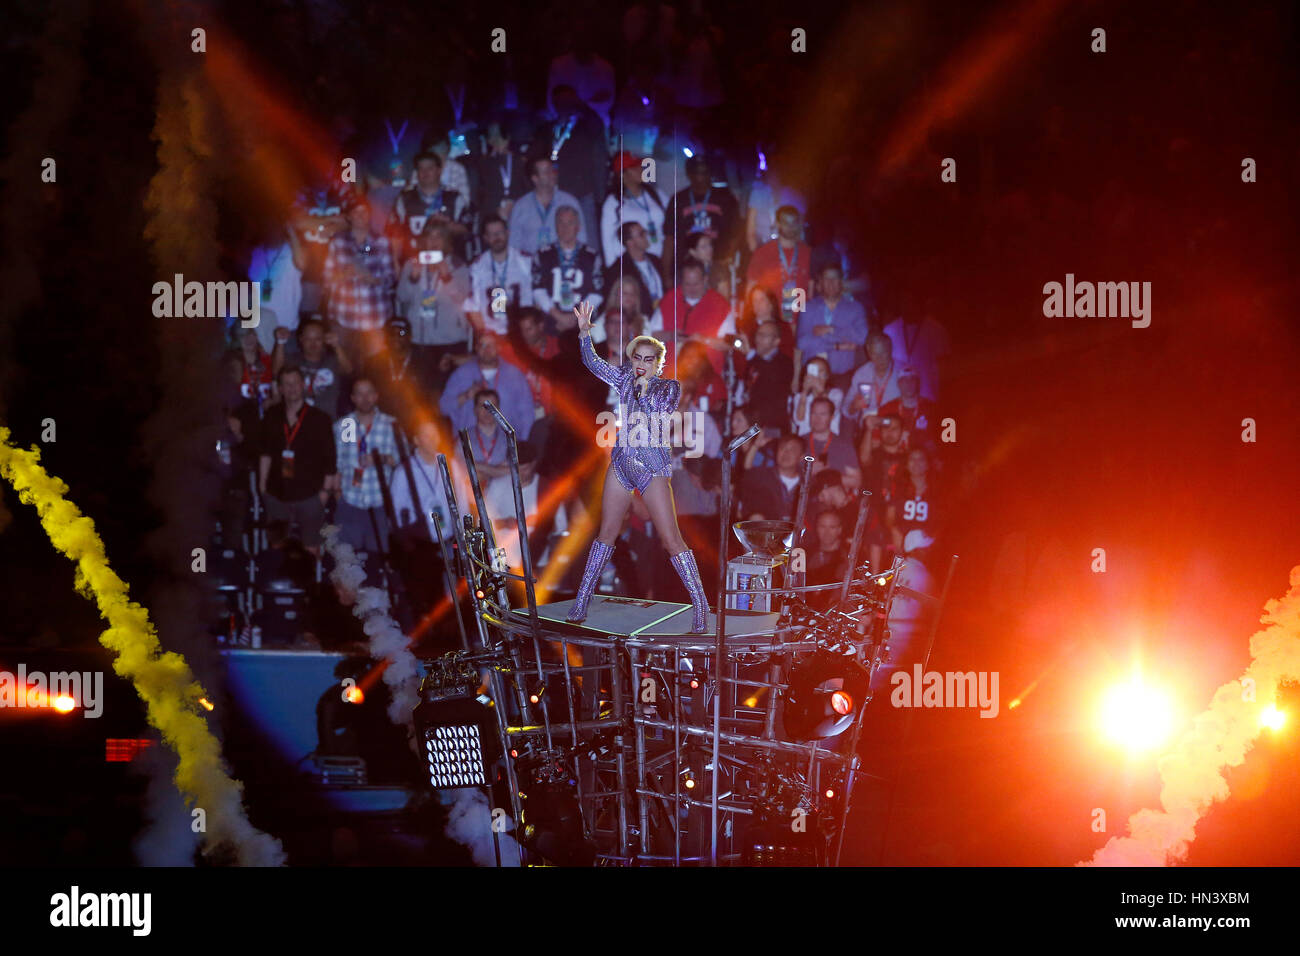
724	506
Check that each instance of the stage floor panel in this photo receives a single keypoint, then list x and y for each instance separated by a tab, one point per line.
641	618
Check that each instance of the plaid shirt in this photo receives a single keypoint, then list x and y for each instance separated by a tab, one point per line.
355	304
350	455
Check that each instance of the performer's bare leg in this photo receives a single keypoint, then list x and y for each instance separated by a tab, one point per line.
658	499
614	504
615	501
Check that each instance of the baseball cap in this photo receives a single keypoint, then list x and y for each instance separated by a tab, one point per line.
625	160
399	326
909	371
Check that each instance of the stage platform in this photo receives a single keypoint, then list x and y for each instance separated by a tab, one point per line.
652	622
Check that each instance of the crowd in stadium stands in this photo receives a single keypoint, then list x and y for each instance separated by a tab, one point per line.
398	310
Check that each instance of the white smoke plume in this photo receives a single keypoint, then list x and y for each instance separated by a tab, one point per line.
469	822
170	840
387	642
1192	772
469	816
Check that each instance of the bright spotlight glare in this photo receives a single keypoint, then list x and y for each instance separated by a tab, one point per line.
1273	718
64	704
1137	716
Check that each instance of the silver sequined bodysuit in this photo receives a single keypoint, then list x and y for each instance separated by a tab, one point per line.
635	459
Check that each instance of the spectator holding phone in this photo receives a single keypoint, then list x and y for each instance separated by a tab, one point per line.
431	295
315	351
816	384
875	384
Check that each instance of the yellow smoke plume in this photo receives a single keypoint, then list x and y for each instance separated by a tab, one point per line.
1191	773
163	680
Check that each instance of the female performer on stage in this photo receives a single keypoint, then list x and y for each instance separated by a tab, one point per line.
632	469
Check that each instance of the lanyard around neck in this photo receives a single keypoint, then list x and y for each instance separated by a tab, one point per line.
789	268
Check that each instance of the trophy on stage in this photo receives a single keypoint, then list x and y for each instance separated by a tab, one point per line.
767	548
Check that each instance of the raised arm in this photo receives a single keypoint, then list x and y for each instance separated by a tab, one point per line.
599	367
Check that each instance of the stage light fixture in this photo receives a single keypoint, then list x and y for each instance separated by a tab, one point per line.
824	694
454	729
537	692
1137	716
454	753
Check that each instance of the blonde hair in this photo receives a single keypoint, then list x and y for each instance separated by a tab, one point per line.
655	344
